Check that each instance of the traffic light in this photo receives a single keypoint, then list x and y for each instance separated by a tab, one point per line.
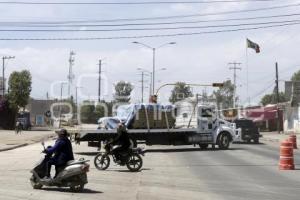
218	84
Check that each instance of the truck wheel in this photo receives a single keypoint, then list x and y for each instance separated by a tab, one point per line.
203	146
224	141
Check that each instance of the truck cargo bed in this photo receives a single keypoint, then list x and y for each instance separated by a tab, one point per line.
151	136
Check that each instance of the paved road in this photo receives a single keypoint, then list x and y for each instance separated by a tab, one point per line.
245	172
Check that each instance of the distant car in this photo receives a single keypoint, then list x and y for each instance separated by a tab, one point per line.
250	131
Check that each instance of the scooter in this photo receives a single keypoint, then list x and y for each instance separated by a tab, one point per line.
73	174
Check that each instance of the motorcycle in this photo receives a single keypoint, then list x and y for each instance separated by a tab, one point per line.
131	158
73	174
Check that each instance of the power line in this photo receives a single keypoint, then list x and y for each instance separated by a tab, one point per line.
130	3
262	91
145	29
152	36
31	24
166	17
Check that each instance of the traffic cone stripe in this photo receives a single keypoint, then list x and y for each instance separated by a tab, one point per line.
293	140
286	159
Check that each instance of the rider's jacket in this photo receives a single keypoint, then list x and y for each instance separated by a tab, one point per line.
62	150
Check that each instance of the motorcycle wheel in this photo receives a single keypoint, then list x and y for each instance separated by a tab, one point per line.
134	163
34	184
102	161
77	188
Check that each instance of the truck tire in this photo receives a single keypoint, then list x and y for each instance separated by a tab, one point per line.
203	146
224	140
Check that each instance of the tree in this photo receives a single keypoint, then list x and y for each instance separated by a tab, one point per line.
90	114
224	95
296	76
272	99
87	113
19	85
180	91
123	91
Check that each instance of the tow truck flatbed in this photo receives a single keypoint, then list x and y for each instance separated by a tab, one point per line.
151	136
210	130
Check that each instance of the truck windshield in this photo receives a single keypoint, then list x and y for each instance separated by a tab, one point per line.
207	112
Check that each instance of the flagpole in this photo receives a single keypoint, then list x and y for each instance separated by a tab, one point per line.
247	69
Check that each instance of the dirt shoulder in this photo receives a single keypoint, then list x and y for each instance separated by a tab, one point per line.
10	140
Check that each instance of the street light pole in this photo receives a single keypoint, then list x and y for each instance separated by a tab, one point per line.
153	59
3	73
143	87
153	71
77	95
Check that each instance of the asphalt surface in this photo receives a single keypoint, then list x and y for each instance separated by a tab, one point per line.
245	172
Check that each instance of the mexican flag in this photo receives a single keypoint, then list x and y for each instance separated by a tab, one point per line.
253	45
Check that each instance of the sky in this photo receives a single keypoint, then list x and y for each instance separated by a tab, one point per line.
199	58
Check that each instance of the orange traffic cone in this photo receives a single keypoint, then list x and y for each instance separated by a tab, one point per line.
286	161
293	140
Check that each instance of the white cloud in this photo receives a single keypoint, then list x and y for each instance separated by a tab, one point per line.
195	59
179	7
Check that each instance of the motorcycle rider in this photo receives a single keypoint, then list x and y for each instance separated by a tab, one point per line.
62	150
123	140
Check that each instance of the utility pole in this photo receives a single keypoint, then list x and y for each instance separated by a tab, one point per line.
99	84
277	98
142	82
3	73
71	75
234	68
60	105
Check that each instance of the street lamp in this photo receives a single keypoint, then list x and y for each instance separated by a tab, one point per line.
76	94
153	51
3	74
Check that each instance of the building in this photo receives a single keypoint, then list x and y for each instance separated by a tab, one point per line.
265	117
291	111
38	110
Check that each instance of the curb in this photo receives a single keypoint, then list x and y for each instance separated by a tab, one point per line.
269	139
275	140
14	147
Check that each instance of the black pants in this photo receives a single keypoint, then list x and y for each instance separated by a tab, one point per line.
117	152
57	166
